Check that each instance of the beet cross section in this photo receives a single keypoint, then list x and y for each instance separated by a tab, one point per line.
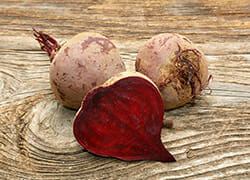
123	120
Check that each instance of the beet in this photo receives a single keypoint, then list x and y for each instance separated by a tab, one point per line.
123	119
84	62
176	66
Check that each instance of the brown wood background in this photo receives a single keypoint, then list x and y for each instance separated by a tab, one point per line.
211	135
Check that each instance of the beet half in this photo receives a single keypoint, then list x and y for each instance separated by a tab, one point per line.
123	119
176	66
82	63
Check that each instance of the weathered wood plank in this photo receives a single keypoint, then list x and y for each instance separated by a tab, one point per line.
211	135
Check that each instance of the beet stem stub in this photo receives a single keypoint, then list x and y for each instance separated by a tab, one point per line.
47	43
123	120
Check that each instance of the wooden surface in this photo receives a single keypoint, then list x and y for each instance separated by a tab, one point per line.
211	135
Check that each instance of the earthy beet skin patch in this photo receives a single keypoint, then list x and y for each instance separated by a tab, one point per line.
123	120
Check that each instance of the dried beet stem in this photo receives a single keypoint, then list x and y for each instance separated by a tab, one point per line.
47	43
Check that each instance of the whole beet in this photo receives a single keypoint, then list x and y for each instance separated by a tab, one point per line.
85	61
175	65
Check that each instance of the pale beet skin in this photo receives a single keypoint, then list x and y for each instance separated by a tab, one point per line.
84	62
176	65
123	118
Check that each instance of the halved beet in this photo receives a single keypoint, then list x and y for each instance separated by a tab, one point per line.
123	119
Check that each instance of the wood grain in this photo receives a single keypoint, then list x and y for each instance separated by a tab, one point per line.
211	135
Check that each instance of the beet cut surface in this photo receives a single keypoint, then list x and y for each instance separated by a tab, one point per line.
123	120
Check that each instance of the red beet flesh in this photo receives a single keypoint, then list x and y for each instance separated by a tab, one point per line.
123	120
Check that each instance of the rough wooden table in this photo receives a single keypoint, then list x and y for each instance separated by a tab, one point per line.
211	135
